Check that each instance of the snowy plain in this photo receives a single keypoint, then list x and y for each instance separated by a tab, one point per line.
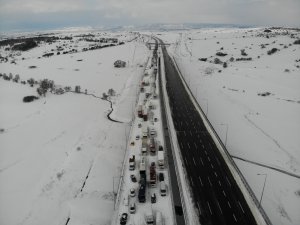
59	154
263	131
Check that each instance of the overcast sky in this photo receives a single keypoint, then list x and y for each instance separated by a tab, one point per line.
49	14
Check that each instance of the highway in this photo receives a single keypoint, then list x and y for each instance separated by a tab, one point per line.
215	192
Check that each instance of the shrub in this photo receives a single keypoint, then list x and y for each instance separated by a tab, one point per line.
217	61
221	54
272	51
203	59
29	98
29	44
297	42
225	65
243	52
231	59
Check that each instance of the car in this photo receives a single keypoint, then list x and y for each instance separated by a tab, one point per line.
133	178
139	125
132	208
123	219
132	192
161	177
155	119
160	148
137	137
153	198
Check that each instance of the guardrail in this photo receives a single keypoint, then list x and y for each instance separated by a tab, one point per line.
247	186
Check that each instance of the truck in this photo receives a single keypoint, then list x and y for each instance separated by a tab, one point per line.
152	146
145	130
142	193
153	176
161	158
132	162
144	145
143	166
145	113
140	111
142	188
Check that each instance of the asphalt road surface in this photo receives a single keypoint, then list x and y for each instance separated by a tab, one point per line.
215	193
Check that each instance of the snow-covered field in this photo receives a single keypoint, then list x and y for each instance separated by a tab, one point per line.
256	96
59	154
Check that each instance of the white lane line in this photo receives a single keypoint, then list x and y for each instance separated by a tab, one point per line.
241	207
186	161
224	193
194	161
192	181
216	174
234	217
203	147
208	158
229	204
209	181
219	183
199	208
201	161
228	181
195	145
211	165
209	208
220	207
200	181
189	145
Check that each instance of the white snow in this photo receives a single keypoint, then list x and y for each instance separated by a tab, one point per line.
49	146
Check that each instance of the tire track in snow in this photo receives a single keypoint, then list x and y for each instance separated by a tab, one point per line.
292	160
266	166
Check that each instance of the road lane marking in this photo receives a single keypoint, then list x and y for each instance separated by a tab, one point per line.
211	165
195	145
219	183
216	174
224	193
208	158
219	207
234	217
209	181
201	161
209	208
194	161
228	181
191	178
189	145
229	204
241	207
199	208
200	181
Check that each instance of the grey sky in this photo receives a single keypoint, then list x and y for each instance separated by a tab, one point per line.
44	14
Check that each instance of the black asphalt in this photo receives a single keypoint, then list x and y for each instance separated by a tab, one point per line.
173	177
215	192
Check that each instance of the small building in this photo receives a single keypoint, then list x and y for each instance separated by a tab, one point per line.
119	64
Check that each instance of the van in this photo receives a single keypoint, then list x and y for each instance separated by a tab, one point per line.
159	218
163	188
